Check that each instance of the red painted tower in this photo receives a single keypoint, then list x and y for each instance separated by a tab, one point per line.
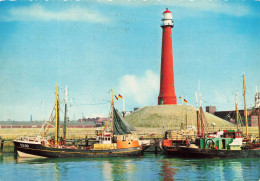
167	90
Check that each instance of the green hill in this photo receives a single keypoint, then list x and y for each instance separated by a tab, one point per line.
171	116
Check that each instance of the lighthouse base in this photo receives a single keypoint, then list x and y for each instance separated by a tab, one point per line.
167	100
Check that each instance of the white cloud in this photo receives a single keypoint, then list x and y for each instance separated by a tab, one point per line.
40	13
143	89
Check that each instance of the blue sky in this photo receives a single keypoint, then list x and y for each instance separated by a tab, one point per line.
95	46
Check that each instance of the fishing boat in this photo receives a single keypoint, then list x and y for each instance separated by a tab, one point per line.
221	144
115	140
226	144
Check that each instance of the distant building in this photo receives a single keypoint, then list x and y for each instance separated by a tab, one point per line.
211	109
98	121
136	108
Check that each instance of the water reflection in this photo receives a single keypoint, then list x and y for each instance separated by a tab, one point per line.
237	169
168	171
107	170
103	168
8	157
150	167
131	168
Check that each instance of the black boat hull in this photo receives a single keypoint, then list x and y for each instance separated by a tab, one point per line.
210	153
38	150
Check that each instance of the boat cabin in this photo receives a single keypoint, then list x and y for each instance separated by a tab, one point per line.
104	139
226	140
232	134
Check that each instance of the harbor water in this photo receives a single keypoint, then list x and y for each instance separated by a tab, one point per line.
147	167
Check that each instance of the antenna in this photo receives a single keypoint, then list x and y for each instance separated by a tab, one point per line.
200	99
66	95
196	95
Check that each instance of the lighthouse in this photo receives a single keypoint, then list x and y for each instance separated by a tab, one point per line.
167	89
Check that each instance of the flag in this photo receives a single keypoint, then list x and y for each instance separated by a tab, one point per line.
116	97
119	96
185	101
179	97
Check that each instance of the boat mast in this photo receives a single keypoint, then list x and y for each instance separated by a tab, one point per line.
57	115
65	114
258	113
186	117
244	85
124	106
112	107
197	110
201	118
236	109
182	114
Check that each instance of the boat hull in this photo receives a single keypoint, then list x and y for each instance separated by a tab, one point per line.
210	153
35	149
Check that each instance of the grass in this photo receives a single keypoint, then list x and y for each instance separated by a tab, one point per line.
72	133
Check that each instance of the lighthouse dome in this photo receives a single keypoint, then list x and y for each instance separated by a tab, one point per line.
167	11
167	18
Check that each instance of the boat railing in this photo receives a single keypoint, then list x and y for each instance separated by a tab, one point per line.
32	138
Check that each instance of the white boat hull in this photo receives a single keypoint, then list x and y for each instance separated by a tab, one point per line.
26	155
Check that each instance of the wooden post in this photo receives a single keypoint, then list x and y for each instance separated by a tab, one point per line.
2	144
155	146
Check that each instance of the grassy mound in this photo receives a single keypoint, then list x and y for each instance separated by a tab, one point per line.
171	116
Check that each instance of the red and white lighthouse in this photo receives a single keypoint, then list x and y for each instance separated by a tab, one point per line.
167	89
